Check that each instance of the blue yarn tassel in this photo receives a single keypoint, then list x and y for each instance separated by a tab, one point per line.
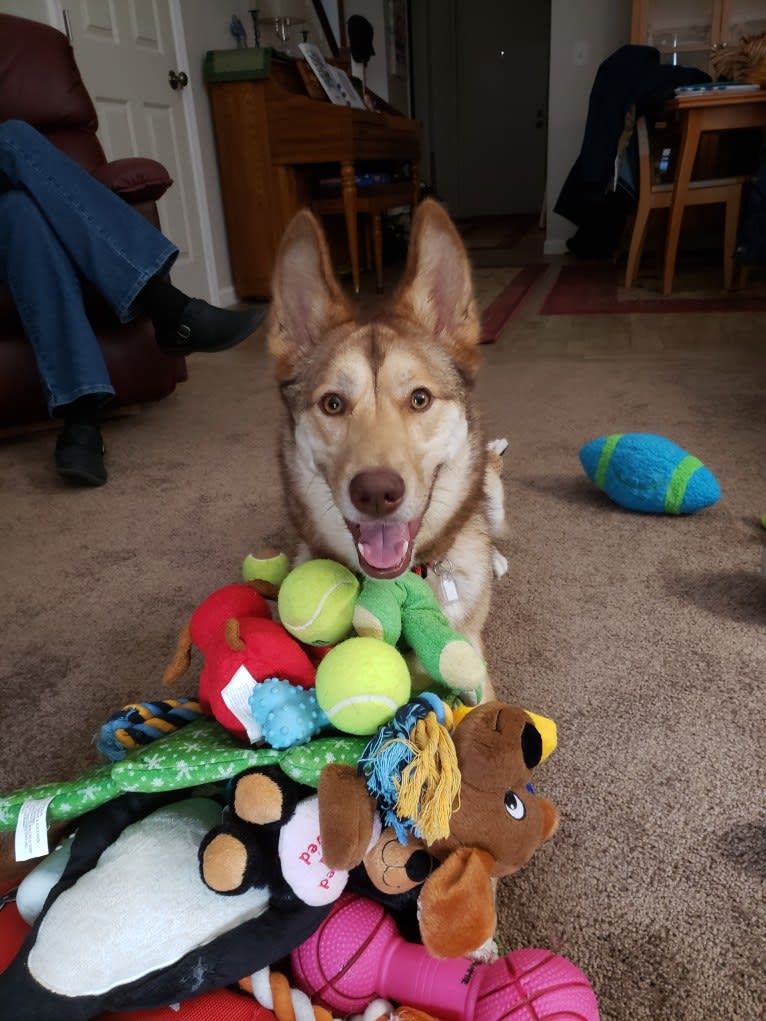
387	755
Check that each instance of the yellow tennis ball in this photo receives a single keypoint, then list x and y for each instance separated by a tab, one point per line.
361	683
316	602
265	571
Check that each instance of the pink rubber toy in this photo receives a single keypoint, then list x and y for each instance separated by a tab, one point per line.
357	955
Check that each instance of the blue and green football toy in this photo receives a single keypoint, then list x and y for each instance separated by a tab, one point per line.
648	473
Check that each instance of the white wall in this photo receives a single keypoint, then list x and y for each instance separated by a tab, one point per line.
377	71
206	27
593	28
35	10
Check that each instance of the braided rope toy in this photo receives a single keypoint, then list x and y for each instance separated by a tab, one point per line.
140	723
272	990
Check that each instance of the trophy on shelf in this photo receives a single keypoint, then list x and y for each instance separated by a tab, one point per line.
282	25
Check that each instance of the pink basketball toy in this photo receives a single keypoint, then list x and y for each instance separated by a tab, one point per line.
357	955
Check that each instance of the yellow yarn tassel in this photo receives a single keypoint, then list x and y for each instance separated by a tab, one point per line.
429	788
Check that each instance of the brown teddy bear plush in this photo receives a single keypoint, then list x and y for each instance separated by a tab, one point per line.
495	824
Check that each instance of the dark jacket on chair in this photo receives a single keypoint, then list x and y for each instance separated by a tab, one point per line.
631	77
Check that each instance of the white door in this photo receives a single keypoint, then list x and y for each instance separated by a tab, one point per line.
125	51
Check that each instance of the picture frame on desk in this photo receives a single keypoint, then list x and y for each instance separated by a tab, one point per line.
312	84
335	82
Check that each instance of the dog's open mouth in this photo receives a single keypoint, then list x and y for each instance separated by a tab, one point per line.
384	547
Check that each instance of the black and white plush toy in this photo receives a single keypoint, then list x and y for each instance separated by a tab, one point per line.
166	896
131	924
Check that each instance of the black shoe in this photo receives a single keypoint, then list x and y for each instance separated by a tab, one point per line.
206	328
79	454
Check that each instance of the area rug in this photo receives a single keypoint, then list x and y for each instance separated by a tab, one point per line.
497	313
596	288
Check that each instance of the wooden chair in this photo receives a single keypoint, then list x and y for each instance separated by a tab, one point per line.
372	202
658	196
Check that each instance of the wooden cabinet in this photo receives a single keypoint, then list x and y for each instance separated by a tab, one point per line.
272	138
688	32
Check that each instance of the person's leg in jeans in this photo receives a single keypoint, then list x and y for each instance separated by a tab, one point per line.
114	247
46	291
51	204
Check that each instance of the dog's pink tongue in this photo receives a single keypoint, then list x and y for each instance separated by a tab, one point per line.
384	544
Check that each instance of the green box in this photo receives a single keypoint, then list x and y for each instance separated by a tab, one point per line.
237	65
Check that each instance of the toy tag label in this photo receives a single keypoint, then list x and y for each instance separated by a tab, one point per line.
300	854
236	696
32	829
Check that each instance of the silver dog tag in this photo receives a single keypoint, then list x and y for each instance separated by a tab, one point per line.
447	583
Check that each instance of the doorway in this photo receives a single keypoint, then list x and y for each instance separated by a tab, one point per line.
480	71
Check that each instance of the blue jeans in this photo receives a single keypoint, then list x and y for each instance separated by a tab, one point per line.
58	224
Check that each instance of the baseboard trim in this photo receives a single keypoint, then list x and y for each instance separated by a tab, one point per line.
555	247
227	296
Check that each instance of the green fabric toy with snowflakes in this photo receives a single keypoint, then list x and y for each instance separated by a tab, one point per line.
202	753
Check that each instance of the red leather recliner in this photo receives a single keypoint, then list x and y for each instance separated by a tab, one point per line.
41	84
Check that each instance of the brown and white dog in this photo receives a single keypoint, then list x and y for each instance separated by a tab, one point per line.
384	460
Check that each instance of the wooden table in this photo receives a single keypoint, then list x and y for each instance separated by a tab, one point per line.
699	112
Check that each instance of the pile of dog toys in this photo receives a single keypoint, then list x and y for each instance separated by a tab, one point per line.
315	833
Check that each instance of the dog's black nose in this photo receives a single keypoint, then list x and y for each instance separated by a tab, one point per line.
377	491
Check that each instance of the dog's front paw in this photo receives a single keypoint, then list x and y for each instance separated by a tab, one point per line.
499	563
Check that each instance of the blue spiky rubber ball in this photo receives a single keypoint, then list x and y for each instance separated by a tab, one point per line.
649	473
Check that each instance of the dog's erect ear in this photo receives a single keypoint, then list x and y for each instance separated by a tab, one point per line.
306	296
437	289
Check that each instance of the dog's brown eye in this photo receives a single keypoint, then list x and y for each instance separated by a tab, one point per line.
332	404
420	399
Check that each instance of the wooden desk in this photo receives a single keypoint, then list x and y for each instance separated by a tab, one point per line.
705	111
268	133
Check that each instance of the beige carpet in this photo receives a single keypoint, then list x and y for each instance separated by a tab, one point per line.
642	636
